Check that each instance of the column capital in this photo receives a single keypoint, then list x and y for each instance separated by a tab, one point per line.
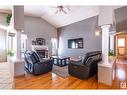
19	30
106	26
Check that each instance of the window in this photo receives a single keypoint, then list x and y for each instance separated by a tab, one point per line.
11	41
121	42
3	46
23	44
54	46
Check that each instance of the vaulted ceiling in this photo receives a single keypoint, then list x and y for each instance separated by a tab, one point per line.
76	13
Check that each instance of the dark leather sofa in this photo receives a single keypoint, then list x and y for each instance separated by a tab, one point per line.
35	65
86	67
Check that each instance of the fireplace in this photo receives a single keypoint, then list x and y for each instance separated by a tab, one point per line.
41	50
42	53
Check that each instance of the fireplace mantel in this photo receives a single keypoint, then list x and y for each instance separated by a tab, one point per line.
42	50
39	47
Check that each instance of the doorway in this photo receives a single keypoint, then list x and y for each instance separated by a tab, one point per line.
121	45
3	47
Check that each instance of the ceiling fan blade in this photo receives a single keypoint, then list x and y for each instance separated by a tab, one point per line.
60	10
53	6
68	8
64	11
56	11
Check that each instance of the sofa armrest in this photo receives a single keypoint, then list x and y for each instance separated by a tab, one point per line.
75	62
78	64
78	70
43	67
45	61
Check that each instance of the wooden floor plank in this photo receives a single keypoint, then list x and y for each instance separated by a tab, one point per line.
53	81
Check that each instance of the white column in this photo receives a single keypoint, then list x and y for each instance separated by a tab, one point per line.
105	43
18	24
18	44
112	36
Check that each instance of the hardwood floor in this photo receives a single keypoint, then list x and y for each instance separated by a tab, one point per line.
53	81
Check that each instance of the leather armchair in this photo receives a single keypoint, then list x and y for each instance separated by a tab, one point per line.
86	67
35	65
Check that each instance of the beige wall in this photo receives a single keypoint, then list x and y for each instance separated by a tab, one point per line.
34	27
83	29
18	17
37	27
105	15
3	19
121	19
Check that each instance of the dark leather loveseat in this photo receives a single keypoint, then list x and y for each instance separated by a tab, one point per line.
86	67
35	65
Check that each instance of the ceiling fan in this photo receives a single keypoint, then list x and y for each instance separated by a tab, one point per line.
61	8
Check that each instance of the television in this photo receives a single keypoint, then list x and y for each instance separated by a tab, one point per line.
75	43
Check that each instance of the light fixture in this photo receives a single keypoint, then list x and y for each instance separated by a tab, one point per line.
62	9
98	31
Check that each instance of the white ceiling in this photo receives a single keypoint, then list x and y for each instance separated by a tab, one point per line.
77	13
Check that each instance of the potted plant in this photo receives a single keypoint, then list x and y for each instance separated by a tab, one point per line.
111	53
10	53
8	19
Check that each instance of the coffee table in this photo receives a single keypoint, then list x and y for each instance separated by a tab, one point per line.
60	60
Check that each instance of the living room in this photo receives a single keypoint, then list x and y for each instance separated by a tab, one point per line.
64	37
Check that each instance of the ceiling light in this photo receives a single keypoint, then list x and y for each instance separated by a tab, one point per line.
98	31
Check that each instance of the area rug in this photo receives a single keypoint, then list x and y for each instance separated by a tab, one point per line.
60	71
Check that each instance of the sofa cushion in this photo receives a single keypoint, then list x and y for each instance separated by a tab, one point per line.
93	53
85	59
90	68
33	59
89	61
95	57
36	56
89	54
82	59
27	58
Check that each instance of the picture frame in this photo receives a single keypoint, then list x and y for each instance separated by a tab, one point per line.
40	41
